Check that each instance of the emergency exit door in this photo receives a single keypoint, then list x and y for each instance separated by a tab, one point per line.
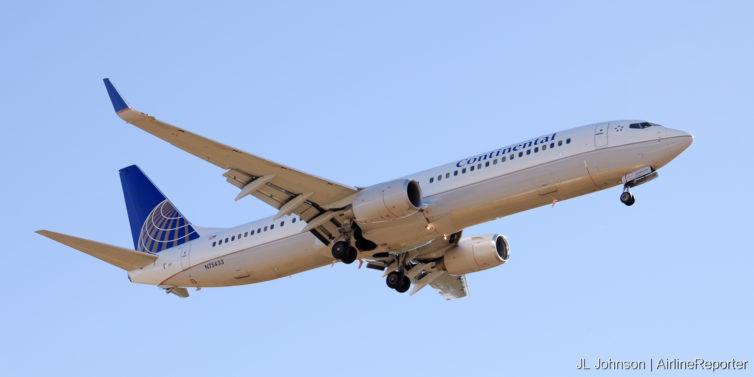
185	251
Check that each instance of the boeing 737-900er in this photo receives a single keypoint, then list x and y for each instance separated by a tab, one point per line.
409	227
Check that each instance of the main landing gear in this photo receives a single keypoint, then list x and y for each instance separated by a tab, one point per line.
627	197
346	253
398	281
343	251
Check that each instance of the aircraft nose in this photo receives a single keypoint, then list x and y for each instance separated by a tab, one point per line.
678	140
685	137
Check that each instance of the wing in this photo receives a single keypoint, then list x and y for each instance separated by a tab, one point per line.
425	269
451	286
287	189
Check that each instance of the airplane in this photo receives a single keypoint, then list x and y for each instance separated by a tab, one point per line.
409	227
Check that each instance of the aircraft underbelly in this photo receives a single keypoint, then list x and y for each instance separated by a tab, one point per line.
537	186
518	191
446	213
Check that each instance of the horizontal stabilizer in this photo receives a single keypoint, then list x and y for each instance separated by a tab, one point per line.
117	256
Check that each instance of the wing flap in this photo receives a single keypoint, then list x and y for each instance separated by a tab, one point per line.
450	286
117	256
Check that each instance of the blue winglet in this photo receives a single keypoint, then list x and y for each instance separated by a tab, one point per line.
118	103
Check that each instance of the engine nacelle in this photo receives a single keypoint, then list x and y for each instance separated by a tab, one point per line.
476	253
387	201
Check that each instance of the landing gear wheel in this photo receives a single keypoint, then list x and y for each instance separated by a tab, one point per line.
340	250
350	256
627	198
405	285
395	279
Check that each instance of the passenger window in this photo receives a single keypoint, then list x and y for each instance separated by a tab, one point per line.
520	154
252	232
528	152
239	236
536	149
552	145
226	239
220	242
568	141
502	159
259	230
272	226
246	234
512	156
282	223
294	220
233	238
265	229
463	171
431	179
455	173
439	177
213	243
479	166
471	168
447	175
544	147
486	164
560	142
494	162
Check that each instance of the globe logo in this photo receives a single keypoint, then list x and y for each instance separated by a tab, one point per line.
164	228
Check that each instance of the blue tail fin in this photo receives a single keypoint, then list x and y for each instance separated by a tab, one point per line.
156	224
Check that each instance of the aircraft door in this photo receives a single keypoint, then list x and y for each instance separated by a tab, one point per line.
185	252
600	135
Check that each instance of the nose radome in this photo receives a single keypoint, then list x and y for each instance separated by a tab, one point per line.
672	133
689	138
678	141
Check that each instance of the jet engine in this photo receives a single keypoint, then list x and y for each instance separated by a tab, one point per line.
387	201
476	253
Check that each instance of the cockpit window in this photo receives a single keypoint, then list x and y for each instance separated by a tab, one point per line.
641	125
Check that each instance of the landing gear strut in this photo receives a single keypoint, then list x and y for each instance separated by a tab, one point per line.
627	197
633	179
398	281
344	251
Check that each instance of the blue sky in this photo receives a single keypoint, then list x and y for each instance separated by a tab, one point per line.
361	93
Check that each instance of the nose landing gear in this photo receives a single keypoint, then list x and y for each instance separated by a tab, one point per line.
634	179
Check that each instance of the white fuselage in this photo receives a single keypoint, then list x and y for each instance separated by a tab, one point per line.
517	177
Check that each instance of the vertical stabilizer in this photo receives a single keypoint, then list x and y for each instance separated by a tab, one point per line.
156	224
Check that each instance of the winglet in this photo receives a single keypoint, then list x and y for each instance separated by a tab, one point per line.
118	103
